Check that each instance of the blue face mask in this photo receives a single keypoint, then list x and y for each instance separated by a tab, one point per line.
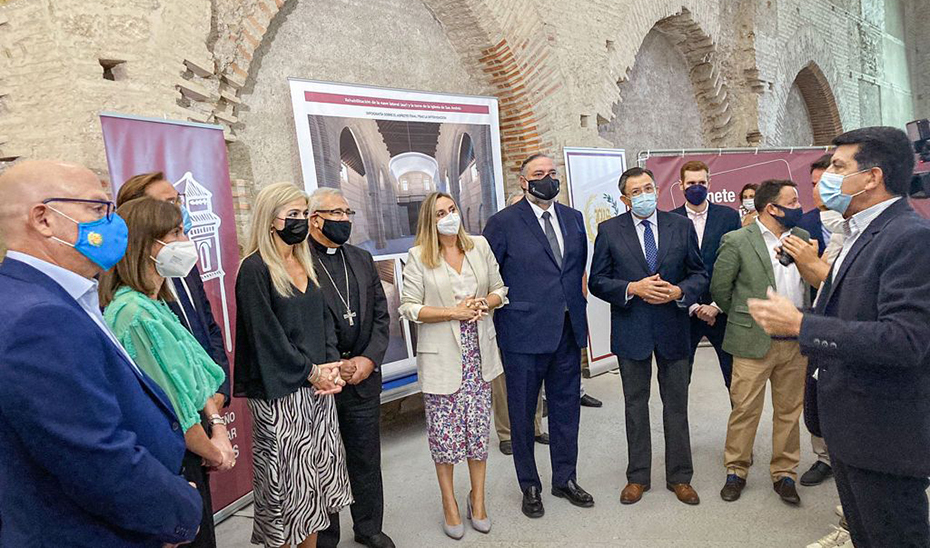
102	241
186	219
644	205
830	188
791	218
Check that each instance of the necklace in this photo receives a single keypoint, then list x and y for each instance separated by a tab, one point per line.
349	315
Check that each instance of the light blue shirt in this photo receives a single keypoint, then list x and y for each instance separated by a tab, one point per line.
641	229
856	225
81	289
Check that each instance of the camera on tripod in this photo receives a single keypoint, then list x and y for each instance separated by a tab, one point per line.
919	133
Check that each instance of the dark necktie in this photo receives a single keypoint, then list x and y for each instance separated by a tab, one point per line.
553	241
649	243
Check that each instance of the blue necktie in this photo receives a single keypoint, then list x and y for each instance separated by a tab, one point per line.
649	243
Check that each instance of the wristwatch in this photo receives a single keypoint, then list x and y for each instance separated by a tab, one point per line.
215	419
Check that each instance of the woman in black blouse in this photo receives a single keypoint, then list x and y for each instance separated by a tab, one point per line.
287	366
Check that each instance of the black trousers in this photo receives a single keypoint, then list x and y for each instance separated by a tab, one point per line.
883	510
714	334
195	472
360	427
561	372
674	378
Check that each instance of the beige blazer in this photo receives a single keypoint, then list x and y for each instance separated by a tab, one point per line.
439	345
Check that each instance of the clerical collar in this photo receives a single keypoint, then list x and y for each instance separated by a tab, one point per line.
322	248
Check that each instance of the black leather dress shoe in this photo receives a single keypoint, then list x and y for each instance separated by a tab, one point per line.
574	493
543	438
379	540
507	447
787	491
733	488
588	401
532	503
818	473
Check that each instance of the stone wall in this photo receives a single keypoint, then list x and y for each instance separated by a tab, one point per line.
565	72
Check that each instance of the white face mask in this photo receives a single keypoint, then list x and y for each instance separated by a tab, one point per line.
749	204
449	225
175	260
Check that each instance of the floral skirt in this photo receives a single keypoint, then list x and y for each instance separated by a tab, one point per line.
458	424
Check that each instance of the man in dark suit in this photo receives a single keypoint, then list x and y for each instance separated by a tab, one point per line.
810	221
354	294
542	249
90	448
711	222
192	308
869	339
647	264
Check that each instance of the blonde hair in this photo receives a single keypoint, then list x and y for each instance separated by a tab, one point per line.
267	206
428	235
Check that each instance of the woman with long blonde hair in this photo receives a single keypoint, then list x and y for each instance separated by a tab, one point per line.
287	365
451	286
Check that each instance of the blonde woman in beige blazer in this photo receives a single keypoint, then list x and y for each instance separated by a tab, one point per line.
451	287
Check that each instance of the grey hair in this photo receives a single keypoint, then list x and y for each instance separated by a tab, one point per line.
320	195
530	158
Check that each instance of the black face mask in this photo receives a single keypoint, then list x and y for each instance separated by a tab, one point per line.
546	188
294	231
337	232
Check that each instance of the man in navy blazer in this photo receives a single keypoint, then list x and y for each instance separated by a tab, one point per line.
542	249
648	266
869	339
90	448
711	222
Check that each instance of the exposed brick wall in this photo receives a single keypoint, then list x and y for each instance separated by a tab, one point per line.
555	65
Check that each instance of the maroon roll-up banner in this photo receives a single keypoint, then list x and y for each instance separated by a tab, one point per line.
730	171
193	159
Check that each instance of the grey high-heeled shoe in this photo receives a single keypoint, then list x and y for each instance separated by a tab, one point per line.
455	532
480	525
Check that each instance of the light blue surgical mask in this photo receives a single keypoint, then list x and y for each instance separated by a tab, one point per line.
830	188
644	205
186	219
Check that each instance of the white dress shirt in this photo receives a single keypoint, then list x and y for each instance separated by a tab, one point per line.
699	220
856	225
641	234
788	281
81	289
554	219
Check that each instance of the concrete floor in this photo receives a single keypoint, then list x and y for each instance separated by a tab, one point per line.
759	519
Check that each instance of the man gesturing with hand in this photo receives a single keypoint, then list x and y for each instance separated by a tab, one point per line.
647	264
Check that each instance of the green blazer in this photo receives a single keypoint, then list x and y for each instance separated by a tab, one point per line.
743	270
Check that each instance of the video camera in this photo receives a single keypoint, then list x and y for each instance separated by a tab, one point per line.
919	133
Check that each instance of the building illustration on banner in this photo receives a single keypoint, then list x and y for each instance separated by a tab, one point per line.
205	233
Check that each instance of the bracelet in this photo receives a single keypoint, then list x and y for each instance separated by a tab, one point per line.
215	420
314	374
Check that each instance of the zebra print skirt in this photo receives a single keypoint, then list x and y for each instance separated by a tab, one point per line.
299	464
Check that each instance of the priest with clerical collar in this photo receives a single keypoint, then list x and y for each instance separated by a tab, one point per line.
353	291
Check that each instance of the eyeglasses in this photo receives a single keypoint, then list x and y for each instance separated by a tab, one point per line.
649	189
179	200
103	207
338	213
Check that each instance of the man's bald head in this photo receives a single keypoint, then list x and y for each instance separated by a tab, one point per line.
27	225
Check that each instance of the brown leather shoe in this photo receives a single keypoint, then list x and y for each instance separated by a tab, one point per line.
632	493
685	493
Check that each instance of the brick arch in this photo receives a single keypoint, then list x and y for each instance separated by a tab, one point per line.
507	46
821	105
808	61
699	50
